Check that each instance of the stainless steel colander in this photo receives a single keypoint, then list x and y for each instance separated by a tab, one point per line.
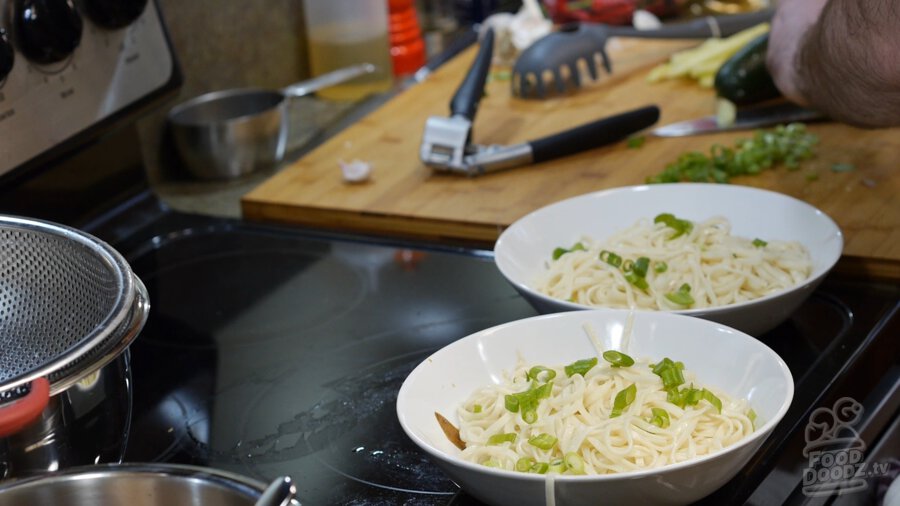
69	304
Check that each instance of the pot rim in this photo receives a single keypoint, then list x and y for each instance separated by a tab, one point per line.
242	484
116	331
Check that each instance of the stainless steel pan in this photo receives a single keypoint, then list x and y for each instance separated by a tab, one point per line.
230	133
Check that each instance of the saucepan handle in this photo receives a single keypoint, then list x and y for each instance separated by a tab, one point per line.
21	412
591	135
329	79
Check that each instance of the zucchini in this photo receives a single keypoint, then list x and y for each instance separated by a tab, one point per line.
744	78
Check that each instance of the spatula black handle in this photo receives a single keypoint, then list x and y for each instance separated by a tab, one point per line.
465	101
595	134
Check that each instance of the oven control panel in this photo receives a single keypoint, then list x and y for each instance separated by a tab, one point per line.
66	65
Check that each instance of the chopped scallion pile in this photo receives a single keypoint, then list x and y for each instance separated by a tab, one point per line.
759	243
785	144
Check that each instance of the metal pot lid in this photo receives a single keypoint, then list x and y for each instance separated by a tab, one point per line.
67	302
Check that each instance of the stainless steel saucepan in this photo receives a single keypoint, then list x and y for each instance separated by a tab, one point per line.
69	308
139	484
230	133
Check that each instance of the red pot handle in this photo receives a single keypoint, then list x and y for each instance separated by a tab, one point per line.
21	412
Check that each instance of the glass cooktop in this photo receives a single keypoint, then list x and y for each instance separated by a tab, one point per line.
269	352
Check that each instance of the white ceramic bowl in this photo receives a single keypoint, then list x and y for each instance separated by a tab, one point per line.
524	248
720	356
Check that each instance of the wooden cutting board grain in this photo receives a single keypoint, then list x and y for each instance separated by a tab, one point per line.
404	198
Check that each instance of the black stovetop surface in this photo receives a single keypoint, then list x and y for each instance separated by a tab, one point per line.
272	351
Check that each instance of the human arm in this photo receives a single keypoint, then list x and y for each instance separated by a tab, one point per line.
839	56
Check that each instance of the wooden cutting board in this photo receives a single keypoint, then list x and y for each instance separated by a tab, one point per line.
404	198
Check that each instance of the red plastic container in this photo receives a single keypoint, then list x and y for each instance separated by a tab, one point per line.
407	45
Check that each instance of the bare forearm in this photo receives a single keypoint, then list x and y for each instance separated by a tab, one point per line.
848	64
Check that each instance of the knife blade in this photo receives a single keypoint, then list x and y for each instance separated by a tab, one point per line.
746	119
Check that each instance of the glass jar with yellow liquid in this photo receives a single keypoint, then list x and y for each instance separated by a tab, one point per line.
341	33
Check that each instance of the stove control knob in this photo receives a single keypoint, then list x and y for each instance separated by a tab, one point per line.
6	56
114	13
46	31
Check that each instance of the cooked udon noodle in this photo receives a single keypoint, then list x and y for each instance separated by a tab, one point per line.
574	431
705	266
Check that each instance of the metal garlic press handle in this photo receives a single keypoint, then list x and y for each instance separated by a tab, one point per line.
595	134
469	93
707	26
332	78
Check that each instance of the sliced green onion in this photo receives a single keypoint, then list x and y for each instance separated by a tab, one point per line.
842	167
759	243
660	417
491	462
692	396
663	364
558	252
712	399
641	265
557	466
539	468
682	297
752	416
535	372
580	366
496	439
637	281
610	258
617	358
527	401
476	408
675	397
525	464
660	266
574	463
543	391
681	227
623	399
543	441
671	377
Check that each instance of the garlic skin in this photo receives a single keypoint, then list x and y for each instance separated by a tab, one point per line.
356	171
514	33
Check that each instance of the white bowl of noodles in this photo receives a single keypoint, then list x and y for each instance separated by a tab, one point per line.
743	373
748	258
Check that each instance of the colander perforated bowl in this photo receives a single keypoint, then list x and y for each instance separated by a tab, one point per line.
69	304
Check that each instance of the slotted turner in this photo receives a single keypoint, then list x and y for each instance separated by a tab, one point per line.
558	62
